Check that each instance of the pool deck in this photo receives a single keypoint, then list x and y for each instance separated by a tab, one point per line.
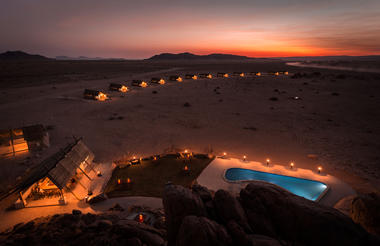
213	178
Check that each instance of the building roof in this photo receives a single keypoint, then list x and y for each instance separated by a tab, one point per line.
34	133
60	167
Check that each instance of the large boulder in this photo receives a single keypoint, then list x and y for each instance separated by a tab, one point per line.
82	229
204	193
202	231
180	202
277	213
365	210
228	208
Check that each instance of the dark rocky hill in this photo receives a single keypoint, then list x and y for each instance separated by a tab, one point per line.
21	56
190	56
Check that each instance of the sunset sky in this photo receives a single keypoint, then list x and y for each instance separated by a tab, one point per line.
140	29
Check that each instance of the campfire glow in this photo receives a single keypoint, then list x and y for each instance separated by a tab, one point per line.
141	218
209	76
179	79
258	74
161	82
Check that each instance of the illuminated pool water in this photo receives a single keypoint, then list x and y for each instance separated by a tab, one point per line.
309	189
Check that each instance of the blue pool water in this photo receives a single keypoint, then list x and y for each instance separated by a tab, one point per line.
306	188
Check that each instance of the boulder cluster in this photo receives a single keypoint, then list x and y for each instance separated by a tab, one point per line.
112	228
263	214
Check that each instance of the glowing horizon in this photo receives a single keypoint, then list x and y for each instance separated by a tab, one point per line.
135	30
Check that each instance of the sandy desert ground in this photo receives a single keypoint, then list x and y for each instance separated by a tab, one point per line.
337	116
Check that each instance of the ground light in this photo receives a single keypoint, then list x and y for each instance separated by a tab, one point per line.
268	160
244	158
291	165
141	218
319	169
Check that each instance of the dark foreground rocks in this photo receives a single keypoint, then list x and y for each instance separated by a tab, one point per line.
82	229
365	210
263	214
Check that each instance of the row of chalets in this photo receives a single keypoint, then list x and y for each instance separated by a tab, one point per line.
101	96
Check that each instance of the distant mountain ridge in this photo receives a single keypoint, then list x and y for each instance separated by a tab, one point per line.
21	56
190	56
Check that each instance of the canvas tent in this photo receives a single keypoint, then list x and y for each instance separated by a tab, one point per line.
22	140
56	173
160	81
118	87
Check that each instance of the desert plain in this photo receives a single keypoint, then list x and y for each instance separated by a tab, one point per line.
312	117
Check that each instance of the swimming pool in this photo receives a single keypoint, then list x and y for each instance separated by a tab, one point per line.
309	189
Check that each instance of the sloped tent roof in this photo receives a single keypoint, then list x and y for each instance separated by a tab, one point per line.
60	167
34	133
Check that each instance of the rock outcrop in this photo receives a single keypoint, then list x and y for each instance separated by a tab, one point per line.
82	229
365	210
180	202
263	214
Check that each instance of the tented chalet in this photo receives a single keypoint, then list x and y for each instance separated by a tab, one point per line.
205	75
22	140
238	74
222	75
160	81
274	73
175	78
118	87
94	95
284	72
140	83
56	175
191	76
255	73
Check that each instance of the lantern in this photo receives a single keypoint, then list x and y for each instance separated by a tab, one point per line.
291	165
319	169
268	160
128	180
141	218
118	181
